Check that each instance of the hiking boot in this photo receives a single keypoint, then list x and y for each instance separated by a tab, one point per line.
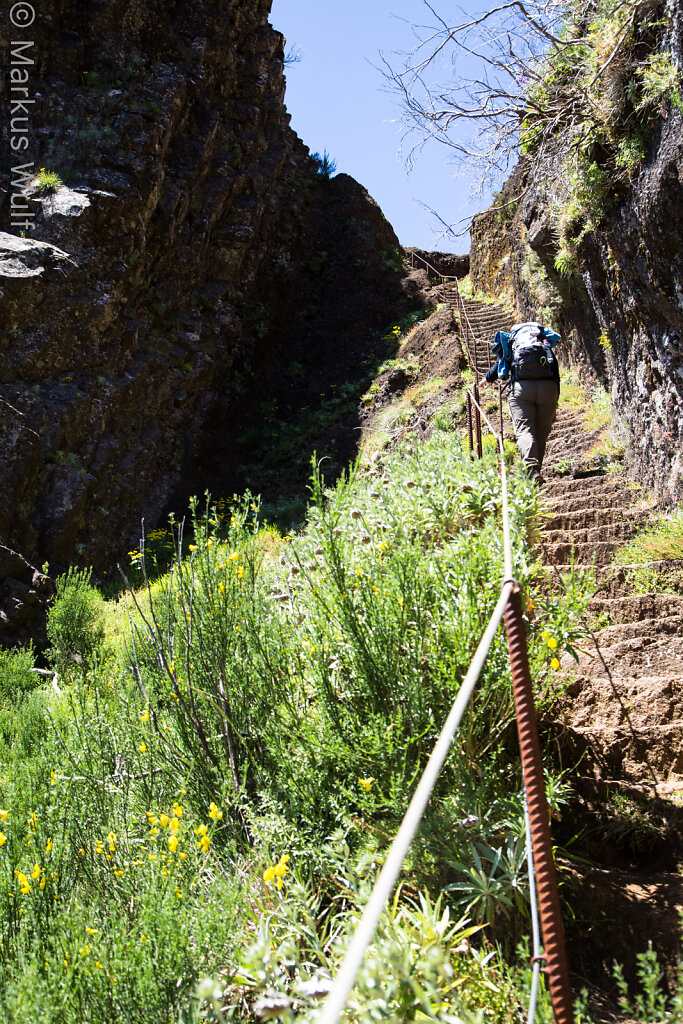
538	479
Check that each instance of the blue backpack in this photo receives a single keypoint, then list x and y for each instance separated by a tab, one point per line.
526	352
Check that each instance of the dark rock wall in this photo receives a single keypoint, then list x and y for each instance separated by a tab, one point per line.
166	278
621	310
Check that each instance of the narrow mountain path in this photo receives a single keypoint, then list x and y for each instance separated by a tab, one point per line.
627	698
618	728
485	318
620	723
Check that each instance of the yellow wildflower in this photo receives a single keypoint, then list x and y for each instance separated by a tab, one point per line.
91	931
551	642
3	838
214	812
177	810
554	663
143	748
163	820
193	547
4	815
36	871
99	846
48	846
53	781
173	843
201	830
174	824
144	717
24	884
366	784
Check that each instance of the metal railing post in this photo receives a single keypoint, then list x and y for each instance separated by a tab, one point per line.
470	436
555	955
477	417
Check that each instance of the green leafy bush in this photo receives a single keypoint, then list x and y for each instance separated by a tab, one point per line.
74	624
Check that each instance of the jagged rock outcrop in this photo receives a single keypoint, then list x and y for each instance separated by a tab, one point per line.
620	303
447	264
193	248
24	596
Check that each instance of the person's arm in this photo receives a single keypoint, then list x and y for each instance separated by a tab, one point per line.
491	376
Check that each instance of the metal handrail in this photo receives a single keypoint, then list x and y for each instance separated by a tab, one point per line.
444	277
508	607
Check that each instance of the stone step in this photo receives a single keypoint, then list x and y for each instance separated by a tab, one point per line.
562	552
608	530
602	483
657	653
636	607
580	501
653	626
634	754
586	518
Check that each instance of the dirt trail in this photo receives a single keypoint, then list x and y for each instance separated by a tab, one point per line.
621	719
619	727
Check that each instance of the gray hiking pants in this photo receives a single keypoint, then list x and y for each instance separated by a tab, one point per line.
532	405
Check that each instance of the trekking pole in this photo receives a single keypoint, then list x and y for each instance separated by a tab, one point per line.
555	954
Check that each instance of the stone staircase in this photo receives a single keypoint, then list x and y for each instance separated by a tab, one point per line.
485	318
619	726
627	690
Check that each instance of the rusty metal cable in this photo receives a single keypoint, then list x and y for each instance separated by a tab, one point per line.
557	969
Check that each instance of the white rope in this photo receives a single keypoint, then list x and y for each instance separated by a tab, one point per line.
345	980
365	930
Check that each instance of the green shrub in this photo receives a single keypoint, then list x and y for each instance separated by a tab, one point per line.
74	623
16	672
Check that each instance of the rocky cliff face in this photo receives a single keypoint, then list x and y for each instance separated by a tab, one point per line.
620	305
192	243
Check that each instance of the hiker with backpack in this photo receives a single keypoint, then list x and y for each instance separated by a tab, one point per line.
526	359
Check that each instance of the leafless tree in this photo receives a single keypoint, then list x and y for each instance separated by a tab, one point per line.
510	77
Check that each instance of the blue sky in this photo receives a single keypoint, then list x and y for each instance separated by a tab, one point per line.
339	102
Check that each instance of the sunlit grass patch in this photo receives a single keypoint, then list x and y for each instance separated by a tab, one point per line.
661	541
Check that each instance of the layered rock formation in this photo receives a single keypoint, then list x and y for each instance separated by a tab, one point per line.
192	246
